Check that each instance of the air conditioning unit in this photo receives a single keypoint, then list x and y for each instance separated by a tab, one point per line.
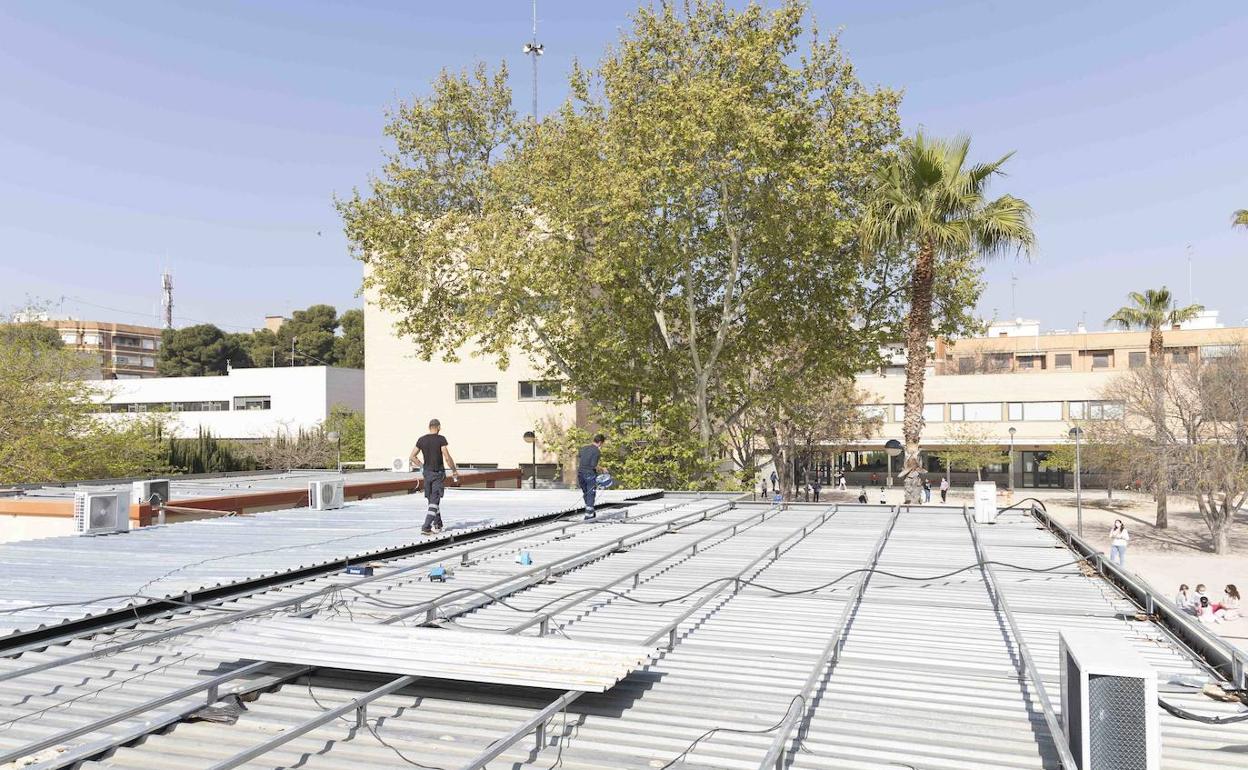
154	492
401	465
101	513
325	495
1109	702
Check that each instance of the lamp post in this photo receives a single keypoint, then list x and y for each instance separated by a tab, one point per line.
531	438
336	437
1075	433
1013	430
892	448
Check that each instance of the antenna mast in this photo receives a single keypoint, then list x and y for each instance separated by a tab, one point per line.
534	49
166	284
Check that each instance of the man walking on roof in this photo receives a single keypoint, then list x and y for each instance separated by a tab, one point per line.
587	471
434	457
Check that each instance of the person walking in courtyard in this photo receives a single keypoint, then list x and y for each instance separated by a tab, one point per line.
1118	539
432	455
817	486
944	489
862	495
840	481
927	490
587	472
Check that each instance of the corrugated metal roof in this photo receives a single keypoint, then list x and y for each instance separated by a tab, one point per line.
928	676
92	575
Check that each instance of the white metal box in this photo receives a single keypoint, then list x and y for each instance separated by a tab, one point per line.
153	492
326	495
401	465
1109	702
101	513
985	502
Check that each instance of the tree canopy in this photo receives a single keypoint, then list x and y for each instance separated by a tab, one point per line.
687	214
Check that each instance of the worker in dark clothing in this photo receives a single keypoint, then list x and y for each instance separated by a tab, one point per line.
432	455
587	471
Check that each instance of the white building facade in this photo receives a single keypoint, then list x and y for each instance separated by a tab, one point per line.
244	404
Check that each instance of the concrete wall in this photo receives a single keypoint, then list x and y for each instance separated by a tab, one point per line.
300	397
403	393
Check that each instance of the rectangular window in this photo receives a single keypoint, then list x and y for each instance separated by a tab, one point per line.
1218	351
1035	410
149	343
1136	359
985	412
931	412
1078	410
539	390
1031	363
476	391
1178	356
1061	361
69	338
966	365
90	339
1000	362
1096	410
1102	359
121	360
872	411
149	362
250	403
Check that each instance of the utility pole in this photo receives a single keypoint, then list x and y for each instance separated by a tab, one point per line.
293	340
166	283
534	49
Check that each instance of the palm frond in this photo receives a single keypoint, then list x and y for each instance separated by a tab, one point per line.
1240	219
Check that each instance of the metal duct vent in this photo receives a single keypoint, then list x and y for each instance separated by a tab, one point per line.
1109	697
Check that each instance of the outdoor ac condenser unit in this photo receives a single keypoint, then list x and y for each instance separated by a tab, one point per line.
101	513
154	492
325	495
401	465
1109	702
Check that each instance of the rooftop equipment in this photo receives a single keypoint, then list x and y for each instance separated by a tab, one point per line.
101	513
1109	702
326	495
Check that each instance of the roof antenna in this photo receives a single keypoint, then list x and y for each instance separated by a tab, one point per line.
166	284
534	49
1014	294
1191	300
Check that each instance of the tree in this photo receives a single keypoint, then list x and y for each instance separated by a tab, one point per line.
1155	310
1204	423
312	333
30	333
689	212
49	426
196	351
1100	452
349	346
349	425
1240	219
286	449
931	204
971	449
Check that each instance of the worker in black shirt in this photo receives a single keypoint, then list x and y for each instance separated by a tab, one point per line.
433	459
587	471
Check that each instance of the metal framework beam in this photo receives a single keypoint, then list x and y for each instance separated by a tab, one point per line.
800	705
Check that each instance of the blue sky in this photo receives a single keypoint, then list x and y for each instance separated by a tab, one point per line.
210	137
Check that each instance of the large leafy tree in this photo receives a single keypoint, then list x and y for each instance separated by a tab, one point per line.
931	203
1155	310
688	213
349	345
195	351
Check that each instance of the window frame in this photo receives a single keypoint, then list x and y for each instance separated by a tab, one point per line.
554	388
471	397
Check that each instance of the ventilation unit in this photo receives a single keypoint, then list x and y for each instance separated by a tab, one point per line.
101	513
1109	702
154	492
401	465
325	495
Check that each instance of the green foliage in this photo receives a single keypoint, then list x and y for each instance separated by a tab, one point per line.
207	454
973	448
349	425
694	202
349	345
195	351
1154	309
312	331
31	335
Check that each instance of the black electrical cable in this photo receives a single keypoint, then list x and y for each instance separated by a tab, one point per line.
737	730
1209	720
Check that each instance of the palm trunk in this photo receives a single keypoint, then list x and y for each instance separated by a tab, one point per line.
1156	351
918	330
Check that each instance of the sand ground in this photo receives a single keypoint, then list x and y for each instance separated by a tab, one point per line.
1181	553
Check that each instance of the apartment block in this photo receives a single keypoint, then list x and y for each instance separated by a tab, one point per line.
125	351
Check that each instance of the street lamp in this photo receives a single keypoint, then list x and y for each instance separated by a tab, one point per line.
893	448
1013	430
336	437
531	438
1075	433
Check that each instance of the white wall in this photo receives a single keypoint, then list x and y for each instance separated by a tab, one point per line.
403	393
300	397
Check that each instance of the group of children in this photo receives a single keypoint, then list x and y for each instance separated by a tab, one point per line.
1209	612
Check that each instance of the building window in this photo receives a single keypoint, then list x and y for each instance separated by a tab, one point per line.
149	343
121	360
539	390
1218	351
988	412
931	412
966	365
1000	362
1061	361
871	411
249	403
90	339
476	391
1029	363
1178	356
126	342
69	338
1102	359
1096	410
1136	359
1035	410
149	362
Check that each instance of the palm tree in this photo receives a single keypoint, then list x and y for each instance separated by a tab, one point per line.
1154	310
928	201
1240	219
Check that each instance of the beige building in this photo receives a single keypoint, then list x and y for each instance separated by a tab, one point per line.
484	410
125	351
